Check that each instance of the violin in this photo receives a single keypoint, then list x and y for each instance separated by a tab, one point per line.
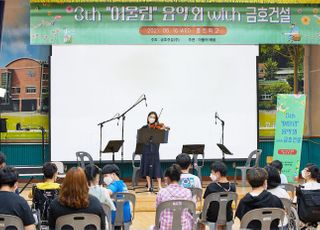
158	125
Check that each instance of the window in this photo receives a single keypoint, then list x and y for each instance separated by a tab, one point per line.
30	73
266	97
45	77
31	89
45	90
5	80
15	90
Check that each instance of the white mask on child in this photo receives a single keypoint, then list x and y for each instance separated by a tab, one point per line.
213	177
304	174
107	180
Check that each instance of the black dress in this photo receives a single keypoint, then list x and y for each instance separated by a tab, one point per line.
150	156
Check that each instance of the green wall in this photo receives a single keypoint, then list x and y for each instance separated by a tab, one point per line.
31	154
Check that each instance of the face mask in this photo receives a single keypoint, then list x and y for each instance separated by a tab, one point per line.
304	174
151	120
107	180
213	177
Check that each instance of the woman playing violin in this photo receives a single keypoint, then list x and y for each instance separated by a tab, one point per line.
150	153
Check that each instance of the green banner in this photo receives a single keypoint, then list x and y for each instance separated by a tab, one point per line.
289	133
174	24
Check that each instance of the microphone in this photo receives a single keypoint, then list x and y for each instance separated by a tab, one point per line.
145	100
215	117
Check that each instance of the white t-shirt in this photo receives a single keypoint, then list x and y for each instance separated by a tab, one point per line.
281	193
284	179
102	194
187	180
313	185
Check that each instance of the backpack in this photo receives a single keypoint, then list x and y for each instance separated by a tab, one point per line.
308	205
42	200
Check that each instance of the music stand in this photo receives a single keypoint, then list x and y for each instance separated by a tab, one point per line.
193	149
113	146
155	136
224	150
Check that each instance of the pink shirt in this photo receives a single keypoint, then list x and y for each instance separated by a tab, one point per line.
174	192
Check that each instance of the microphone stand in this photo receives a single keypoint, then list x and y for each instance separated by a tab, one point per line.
222	134
123	117
42	143
116	116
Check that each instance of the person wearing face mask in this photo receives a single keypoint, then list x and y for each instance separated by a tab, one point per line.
150	155
219	183
111	178
311	175
93	177
259	197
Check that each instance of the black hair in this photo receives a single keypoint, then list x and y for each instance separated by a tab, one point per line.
91	171
183	160
49	169
111	168
274	179
256	177
2	158
8	176
220	167
314	171
277	164
154	113
173	172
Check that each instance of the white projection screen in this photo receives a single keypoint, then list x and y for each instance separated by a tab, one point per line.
90	84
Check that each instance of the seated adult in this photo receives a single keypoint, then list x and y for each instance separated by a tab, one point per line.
219	183
111	178
11	203
50	173
187	180
278	165
93	177
259	197
311	176
174	192
74	198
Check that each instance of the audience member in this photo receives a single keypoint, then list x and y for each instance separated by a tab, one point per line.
93	177
274	181
111	178
74	198
258	197
273	187
50	173
278	165
174	192
2	160
311	176
11	203
187	179
219	183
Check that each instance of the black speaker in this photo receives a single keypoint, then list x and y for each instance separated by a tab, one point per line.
3	125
